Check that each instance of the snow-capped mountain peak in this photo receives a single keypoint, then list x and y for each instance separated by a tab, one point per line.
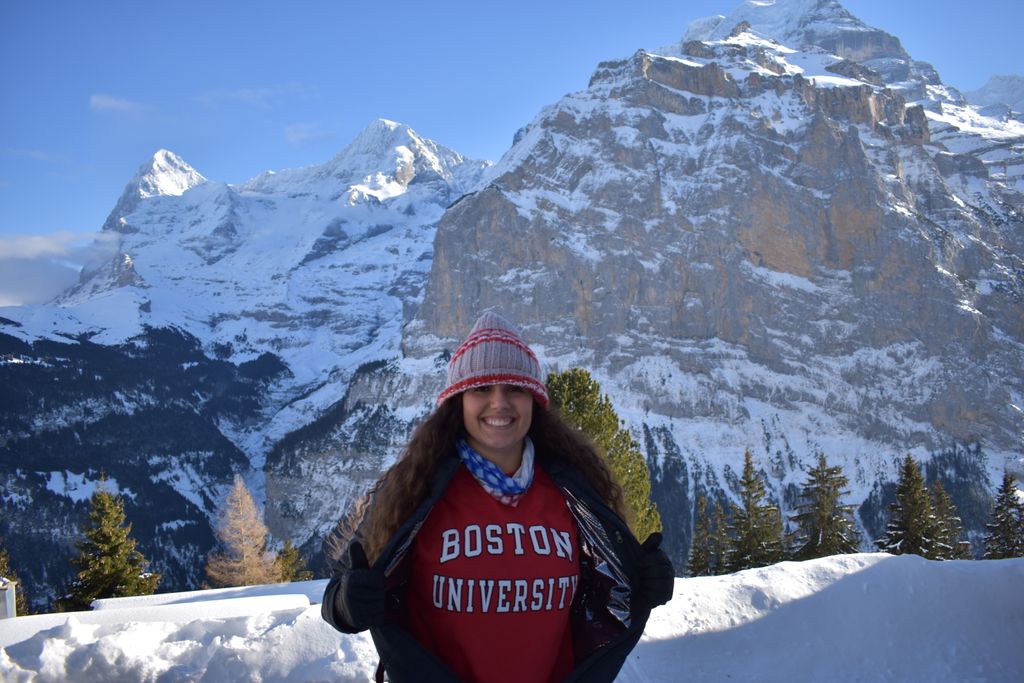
164	174
384	161
802	24
386	157
814	25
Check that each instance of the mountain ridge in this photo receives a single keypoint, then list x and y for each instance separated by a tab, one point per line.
267	296
164	174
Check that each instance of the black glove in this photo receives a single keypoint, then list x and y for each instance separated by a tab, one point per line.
360	599
657	576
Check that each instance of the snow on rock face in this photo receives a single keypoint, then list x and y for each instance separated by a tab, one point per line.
826	26
166	174
759	245
378	165
314	264
286	285
1000	90
804	24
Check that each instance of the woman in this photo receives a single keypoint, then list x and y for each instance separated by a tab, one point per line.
495	549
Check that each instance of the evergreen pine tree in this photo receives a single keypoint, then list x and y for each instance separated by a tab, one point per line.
242	558
824	525
290	564
579	400
699	562
720	541
949	529
911	517
1005	537
7	572
756	526
108	563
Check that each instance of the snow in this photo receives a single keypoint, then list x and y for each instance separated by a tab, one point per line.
1007	90
969	120
167	175
865	617
779	279
789	21
79	487
315	265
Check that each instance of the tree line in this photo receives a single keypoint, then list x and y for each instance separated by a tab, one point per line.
110	566
921	522
750	533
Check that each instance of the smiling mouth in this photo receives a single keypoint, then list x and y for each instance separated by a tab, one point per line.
497	421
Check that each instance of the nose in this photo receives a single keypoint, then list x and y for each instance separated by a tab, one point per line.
499	395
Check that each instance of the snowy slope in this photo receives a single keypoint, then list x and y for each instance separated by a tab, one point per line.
314	265
844	619
229	317
1006	90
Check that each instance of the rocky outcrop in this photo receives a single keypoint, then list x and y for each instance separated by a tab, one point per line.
746	261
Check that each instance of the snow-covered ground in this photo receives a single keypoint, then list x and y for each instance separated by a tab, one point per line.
867	617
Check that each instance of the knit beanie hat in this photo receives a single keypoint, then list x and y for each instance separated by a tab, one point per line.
494	353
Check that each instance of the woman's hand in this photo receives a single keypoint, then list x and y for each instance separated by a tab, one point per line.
360	600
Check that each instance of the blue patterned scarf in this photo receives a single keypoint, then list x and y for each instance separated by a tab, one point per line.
507	489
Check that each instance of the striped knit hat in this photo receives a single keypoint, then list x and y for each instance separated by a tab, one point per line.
494	353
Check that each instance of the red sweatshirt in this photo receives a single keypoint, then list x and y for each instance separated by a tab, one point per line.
491	585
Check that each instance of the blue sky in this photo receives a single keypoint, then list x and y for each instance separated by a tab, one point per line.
92	89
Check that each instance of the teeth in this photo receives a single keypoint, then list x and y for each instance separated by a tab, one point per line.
498	421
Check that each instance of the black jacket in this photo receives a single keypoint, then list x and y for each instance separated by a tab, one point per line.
607	622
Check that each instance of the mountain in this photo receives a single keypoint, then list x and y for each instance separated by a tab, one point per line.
781	234
230	317
790	247
1000	92
166	174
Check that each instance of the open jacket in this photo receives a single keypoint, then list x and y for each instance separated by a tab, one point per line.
606	621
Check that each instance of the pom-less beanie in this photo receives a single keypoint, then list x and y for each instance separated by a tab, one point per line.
494	353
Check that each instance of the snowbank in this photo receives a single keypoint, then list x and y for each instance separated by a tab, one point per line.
867	617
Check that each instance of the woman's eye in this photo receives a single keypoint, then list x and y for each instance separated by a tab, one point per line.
513	389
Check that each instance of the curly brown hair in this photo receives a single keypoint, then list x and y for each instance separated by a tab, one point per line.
407	483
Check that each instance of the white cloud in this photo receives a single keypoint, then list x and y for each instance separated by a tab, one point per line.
36	268
24	281
73	246
112	103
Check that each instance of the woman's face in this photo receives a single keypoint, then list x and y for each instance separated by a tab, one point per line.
497	418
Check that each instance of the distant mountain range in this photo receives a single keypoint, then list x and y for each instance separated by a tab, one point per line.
781	234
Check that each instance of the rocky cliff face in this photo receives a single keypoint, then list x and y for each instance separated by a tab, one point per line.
790	247
753	247
772	201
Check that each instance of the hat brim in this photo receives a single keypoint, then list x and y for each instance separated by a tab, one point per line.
539	391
